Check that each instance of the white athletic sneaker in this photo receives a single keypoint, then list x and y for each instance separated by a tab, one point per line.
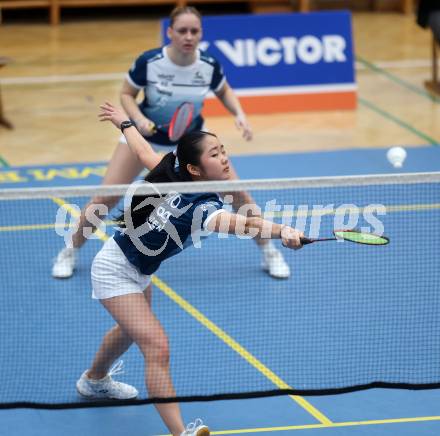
64	263
196	428
274	263
106	387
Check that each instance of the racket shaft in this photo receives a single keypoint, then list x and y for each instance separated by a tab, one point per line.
305	241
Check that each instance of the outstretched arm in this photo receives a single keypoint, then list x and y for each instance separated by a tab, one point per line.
240	225
232	104
135	140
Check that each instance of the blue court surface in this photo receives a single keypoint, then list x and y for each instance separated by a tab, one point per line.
334	296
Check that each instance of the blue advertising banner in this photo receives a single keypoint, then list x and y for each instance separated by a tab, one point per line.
275	54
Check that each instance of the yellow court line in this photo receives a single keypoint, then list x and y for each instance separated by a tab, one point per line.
331	425
24	227
217	331
31	227
252	360
228	340
101	235
280	214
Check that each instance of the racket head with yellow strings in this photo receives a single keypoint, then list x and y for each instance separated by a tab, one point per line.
352	235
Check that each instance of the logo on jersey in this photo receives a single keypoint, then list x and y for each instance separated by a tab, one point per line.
162	209
166	77
164	89
198	79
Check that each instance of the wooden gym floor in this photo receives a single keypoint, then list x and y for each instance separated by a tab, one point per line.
60	75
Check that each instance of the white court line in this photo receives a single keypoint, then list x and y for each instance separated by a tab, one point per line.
32	80
283	90
389	65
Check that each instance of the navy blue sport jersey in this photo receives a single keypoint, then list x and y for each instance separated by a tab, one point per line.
167	85
176	222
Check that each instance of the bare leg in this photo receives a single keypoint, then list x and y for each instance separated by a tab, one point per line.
242	198
134	316
272	259
114	345
123	168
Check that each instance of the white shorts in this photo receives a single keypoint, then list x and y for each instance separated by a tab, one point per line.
113	275
158	148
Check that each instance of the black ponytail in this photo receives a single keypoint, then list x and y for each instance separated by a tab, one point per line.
171	168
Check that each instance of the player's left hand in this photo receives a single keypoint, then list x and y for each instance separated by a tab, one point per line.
243	125
111	113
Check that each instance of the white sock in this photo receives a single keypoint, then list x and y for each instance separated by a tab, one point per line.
268	248
70	249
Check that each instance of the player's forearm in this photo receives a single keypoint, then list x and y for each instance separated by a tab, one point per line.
240	225
259	227
130	106
141	147
230	101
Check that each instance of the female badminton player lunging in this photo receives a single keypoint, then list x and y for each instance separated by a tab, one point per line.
169	76
121	270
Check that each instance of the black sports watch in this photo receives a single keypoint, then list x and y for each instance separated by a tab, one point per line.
125	124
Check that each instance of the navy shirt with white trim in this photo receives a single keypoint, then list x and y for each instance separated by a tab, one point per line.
167	85
177	222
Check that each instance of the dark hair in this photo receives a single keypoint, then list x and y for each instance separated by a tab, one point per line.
180	10
167	170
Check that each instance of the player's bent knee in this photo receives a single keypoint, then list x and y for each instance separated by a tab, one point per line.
156	351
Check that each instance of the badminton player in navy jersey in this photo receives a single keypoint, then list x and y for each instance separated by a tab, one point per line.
121	270
168	76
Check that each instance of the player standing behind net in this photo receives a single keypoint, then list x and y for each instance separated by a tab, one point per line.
168	76
121	270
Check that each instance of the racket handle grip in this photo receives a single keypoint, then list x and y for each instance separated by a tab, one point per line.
305	241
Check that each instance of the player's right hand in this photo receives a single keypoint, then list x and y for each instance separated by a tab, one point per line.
243	125
291	237
145	126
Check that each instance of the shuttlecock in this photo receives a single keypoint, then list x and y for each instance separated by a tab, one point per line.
396	156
